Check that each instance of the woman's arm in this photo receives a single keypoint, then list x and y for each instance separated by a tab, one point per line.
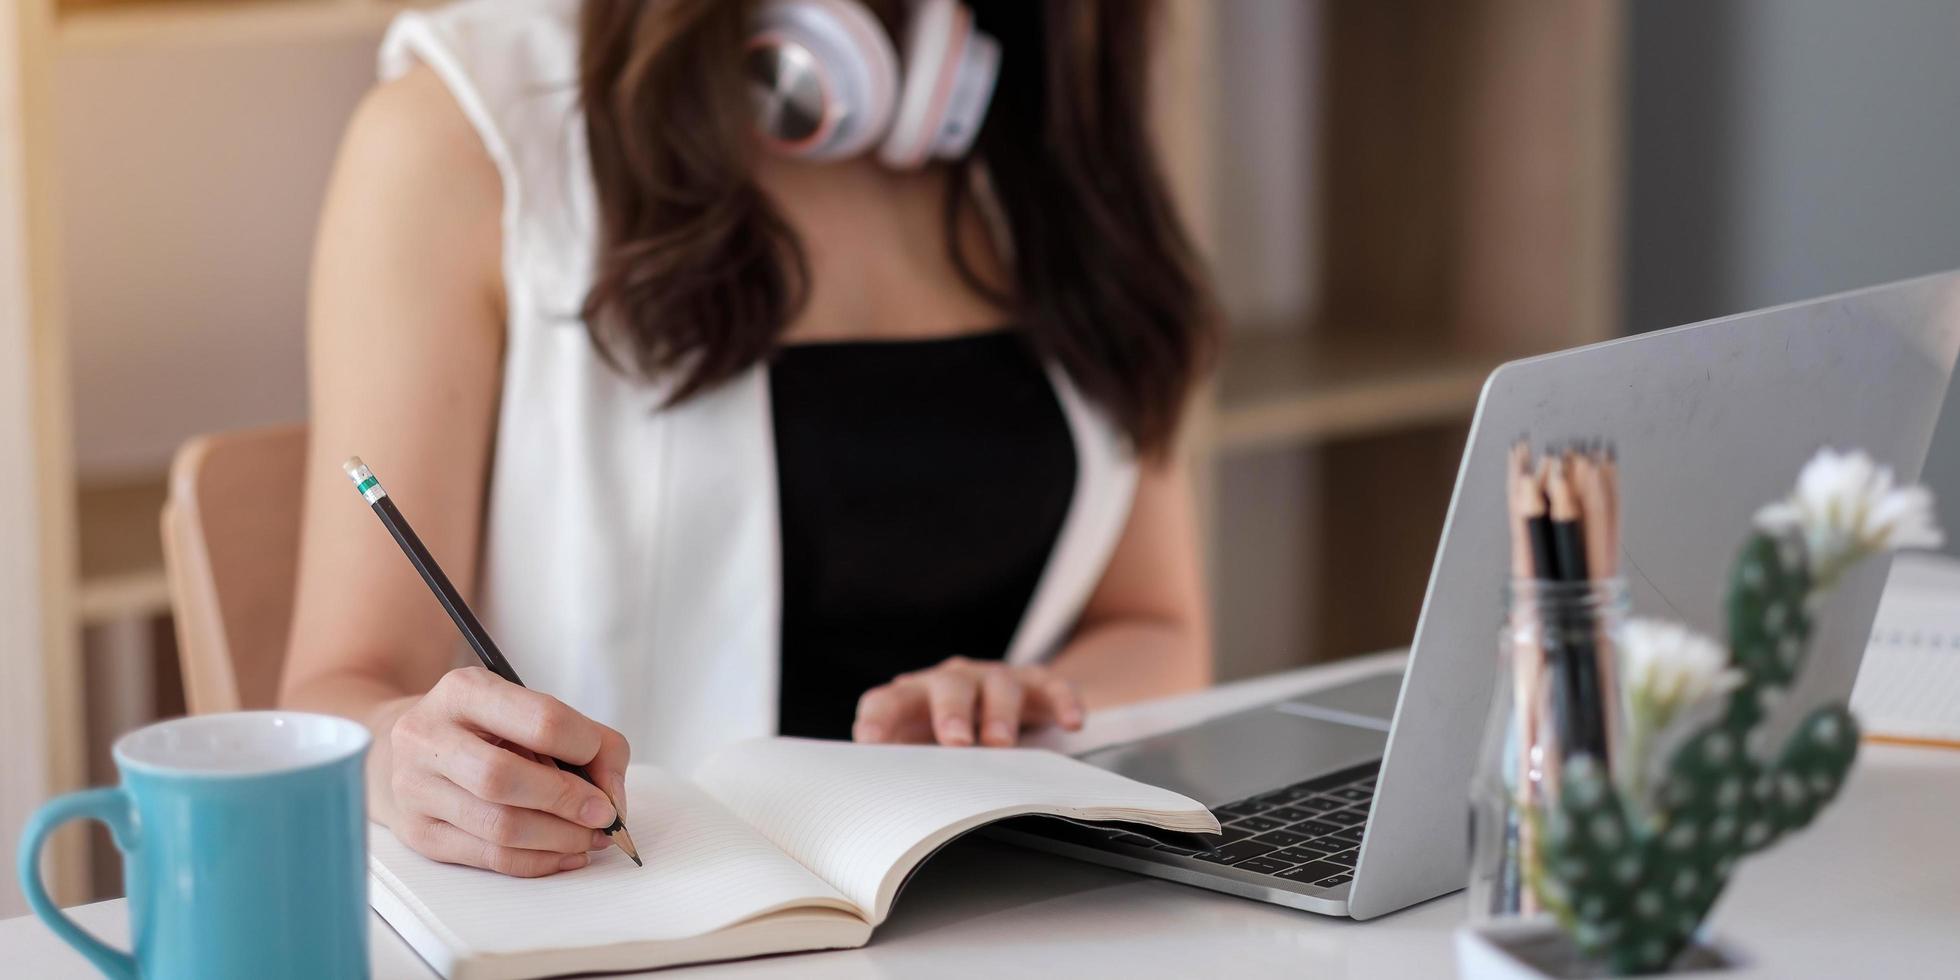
405	354
1144	633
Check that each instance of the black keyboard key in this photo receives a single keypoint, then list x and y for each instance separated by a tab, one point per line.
1346	818
1289	813
1318	804
1298	855
1243	808
1340	879
1313	871
1316	828
1351	794
1346	858
1265	866
1287	795
1282	838
1234	852
1258	825
1231	833
1352	835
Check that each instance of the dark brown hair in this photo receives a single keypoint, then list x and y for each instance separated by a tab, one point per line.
698	273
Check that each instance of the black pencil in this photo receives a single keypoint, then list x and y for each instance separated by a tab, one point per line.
1538	527
460	614
1568	530
1586	731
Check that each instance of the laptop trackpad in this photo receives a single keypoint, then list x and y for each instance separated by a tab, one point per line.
1239	755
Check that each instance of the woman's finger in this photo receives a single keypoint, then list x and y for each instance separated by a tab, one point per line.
477	699
884	710
608	767
543	722
447	843
500	776
951	695
1000	707
1051	699
516	749
510	826
895	712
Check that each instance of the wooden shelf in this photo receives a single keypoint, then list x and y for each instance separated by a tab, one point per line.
1277	389
120	553
111	26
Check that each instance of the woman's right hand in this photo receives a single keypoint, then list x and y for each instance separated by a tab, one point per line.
474	784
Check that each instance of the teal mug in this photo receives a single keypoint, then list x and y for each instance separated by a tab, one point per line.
244	844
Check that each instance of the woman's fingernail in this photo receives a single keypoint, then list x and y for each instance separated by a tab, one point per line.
596	813
1000	732
600	840
572	862
869	731
616	788
956	731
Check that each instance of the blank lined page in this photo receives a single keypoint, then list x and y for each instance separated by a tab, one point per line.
1909	682
861	815
705	870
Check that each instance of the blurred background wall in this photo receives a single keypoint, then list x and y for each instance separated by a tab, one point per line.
1783	149
1396	196
193	170
25	562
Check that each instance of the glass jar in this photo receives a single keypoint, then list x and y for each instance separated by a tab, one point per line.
1556	696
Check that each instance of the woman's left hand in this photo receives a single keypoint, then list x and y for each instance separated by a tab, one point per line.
945	703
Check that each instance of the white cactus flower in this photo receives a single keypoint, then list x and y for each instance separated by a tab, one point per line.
1846	508
1671	667
1666	670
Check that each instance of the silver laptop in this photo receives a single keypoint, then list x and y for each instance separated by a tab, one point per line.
1353	801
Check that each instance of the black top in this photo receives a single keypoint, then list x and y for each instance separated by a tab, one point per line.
923	484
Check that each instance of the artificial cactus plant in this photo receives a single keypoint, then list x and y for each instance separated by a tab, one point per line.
1632	878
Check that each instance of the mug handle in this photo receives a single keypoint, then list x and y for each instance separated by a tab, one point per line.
112	807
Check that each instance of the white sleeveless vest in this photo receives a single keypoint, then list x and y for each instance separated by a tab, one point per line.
630	560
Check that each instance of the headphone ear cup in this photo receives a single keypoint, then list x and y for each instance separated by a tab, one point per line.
950	68
823	77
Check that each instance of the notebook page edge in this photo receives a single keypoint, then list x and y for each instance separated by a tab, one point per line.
922	851
753	777
421	931
676	810
793	929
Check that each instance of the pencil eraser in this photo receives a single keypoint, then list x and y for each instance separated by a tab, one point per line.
353	467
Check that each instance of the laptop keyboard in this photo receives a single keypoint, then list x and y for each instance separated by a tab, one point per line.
1306	833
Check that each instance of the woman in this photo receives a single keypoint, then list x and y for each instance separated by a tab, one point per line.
726	426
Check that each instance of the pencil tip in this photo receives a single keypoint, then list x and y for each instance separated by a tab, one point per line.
625	842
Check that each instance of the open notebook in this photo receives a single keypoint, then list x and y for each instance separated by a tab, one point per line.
775	845
1909	682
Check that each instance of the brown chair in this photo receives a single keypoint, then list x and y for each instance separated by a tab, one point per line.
231	549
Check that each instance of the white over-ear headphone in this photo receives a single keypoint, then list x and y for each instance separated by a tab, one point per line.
827	84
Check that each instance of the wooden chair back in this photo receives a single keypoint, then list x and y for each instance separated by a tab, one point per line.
231	549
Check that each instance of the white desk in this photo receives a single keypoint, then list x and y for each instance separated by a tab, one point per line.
1872	890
